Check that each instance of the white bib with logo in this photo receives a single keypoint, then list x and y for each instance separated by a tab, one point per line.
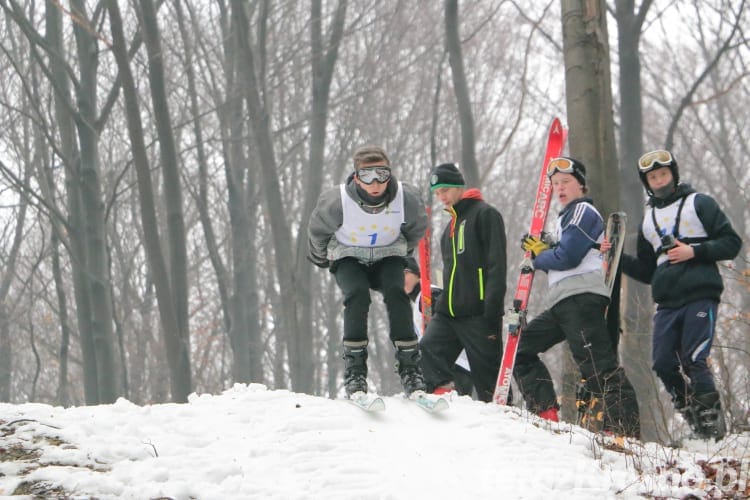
362	229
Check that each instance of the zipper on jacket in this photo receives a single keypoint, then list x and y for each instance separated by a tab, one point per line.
461	241
481	283
454	217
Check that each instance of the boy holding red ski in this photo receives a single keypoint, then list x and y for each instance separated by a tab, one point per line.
577	301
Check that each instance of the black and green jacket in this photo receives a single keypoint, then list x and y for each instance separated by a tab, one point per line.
474	261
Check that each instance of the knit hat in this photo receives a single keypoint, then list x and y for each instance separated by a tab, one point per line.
411	265
564	164
579	172
446	175
369	153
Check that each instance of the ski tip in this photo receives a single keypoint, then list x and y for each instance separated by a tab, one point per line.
367	402
429	402
377	404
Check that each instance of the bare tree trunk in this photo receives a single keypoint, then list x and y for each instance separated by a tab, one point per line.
244	334
97	267
9	271
589	106
323	64
201	198
175	344
63	390
636	341
589	97
172	199
300	363
461	88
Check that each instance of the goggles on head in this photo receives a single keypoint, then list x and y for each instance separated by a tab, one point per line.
371	174
655	159
563	165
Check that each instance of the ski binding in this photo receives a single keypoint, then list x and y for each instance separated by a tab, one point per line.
367	402
429	403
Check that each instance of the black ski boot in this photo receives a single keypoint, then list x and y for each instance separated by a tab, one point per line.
682	406
407	365
355	371
707	415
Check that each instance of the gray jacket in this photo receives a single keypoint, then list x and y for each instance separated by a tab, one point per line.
328	216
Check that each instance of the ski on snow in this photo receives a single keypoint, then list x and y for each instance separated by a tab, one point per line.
516	320
374	403
429	403
367	402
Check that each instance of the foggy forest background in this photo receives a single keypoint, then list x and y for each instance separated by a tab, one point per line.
159	161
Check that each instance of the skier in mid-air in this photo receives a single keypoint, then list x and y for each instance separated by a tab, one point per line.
363	230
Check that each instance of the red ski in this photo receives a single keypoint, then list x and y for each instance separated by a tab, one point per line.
425	283
516	320
425	271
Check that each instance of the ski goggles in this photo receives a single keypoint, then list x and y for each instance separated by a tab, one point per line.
655	159
372	174
562	165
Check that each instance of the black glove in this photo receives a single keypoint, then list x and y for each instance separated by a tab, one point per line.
321	263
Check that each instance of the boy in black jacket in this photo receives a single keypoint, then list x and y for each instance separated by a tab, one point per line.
682	236
468	314
413	288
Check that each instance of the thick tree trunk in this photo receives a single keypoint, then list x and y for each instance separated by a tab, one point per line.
176	239
589	98
589	106
244	334
71	158
92	212
637	311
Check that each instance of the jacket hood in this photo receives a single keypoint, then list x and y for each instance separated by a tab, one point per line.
472	194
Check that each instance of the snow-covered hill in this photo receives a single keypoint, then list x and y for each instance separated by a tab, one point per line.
250	443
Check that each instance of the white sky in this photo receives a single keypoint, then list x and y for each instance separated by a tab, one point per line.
250	443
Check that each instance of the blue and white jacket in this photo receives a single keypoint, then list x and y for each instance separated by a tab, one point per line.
574	264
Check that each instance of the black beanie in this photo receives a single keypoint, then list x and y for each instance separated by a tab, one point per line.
411	265
446	175
579	172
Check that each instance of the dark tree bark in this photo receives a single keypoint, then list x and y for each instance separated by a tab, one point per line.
324	55
461	88
241	184
97	263
590	114
176	240
179	381
300	363
636	338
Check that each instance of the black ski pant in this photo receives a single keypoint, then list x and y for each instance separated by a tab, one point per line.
385	276
444	340
579	320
